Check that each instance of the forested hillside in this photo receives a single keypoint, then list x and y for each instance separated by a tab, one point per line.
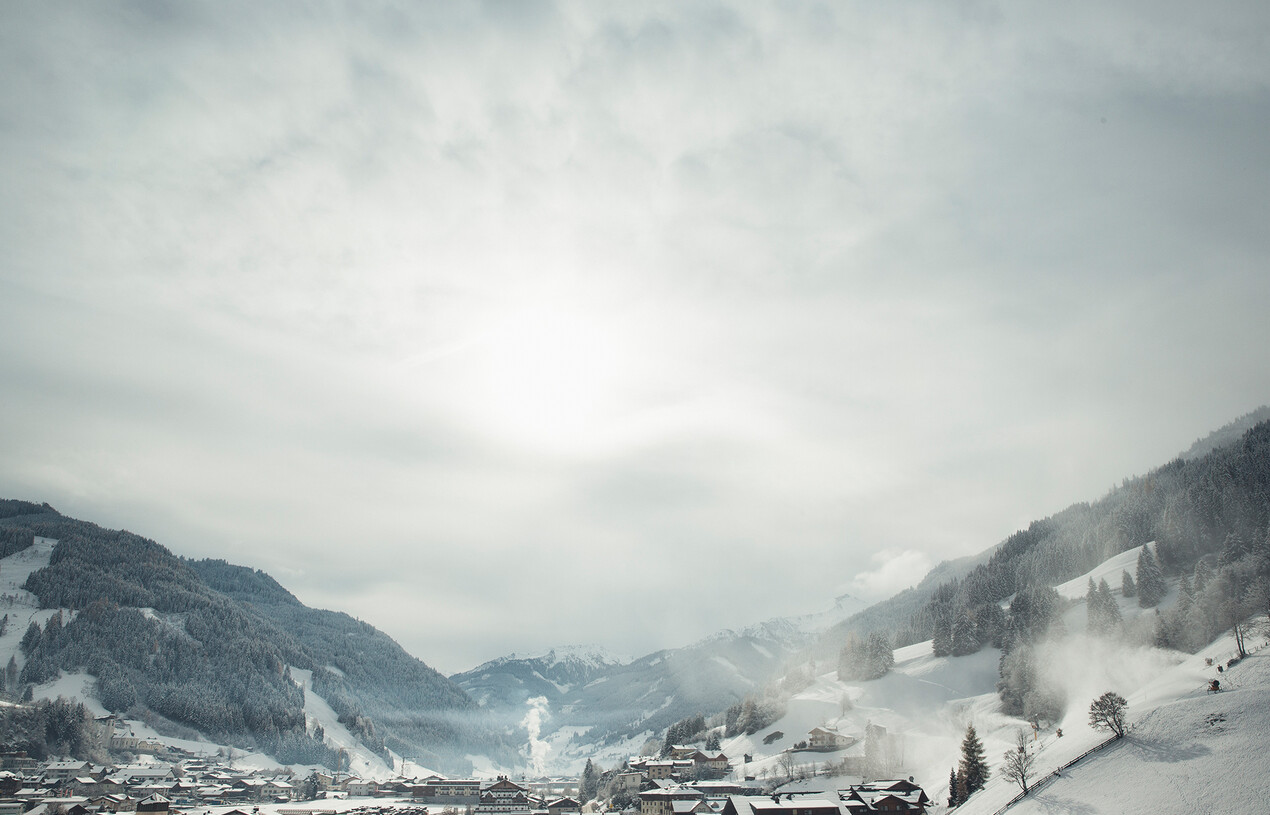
362	672
210	645
1209	520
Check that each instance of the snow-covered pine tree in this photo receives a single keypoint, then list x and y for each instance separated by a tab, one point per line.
1127	587
1151	585
964	639
588	787
1108	609
1093	616
942	642
973	767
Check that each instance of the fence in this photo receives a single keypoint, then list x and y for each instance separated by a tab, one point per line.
1047	779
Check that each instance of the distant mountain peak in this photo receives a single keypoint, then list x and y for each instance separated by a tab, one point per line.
593	656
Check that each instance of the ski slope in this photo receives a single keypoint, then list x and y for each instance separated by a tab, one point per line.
1187	750
1179	729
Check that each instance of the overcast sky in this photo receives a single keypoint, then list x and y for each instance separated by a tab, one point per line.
511	325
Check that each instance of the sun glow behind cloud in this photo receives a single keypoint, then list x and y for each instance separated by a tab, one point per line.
548	292
545	374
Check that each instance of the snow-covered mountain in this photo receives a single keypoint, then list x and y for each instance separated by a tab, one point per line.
510	681
596	704
1187	750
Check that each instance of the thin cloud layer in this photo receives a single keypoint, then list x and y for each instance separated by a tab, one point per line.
509	325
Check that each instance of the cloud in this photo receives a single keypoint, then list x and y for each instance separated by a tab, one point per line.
635	301
892	572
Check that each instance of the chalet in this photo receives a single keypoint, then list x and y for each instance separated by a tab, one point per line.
85	785
663	801
359	788
778	805
824	738
657	770
154	804
564	806
32	793
144	772
714	764
720	790
278	790
58	771
503	797
898	796
552	788
115	803
449	791
17	760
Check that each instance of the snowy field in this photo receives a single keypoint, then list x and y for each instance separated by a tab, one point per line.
1188	750
1179	729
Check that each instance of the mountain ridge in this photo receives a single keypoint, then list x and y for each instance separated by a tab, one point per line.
158	634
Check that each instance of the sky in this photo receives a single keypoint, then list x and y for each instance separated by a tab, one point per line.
504	326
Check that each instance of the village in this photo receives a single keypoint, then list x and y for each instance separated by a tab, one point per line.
683	781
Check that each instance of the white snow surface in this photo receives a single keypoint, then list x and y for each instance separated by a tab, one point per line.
1110	570
1187	750
1180	732
595	656
316	711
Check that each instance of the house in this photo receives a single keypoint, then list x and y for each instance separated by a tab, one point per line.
449	791
564	806
662	801
502	797
896	796
717	764
657	770
58	771
112	803
825	738
780	805
278	789
362	787
153	804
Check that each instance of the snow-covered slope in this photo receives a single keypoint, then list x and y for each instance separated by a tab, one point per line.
1188	750
510	681
585	703
22	610
930	700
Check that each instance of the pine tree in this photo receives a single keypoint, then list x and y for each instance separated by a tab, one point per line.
974	765
1108	608
1127	587
1203	574
942	642
31	638
1151	586
880	655
587	788
1093	609
964	640
953	800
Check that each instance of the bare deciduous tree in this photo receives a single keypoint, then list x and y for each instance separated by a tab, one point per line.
1107	712
1018	761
